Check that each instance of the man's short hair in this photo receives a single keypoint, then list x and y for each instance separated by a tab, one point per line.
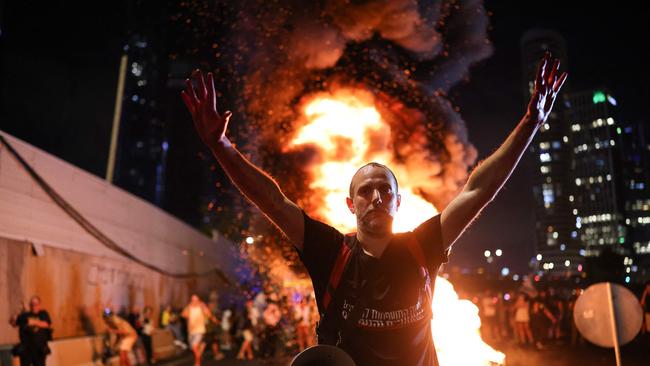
377	165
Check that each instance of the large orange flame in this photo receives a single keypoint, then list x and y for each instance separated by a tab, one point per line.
349	131
456	330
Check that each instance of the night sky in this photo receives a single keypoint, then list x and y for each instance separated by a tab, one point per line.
59	64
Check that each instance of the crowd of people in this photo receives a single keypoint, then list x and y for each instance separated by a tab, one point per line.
530	320
537	318
264	326
268	325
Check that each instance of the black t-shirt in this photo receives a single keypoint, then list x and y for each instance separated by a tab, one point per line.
134	320
394	326
32	337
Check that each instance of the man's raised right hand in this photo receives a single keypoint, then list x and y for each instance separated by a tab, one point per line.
257	186
202	104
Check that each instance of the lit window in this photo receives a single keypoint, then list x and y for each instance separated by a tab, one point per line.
551	239
565	139
548	195
136	69
575	127
544	145
611	101
545	169
545	157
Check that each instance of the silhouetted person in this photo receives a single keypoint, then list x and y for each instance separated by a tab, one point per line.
34	331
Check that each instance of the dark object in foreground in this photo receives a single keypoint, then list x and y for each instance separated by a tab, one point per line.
323	355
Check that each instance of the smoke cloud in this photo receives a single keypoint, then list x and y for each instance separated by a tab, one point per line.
407	53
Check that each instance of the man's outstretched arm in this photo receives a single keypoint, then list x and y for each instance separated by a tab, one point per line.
257	186
489	176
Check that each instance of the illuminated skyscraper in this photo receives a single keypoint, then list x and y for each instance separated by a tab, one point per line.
610	172
142	146
551	151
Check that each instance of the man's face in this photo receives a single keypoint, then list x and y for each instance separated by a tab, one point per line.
34	304
195	299
374	200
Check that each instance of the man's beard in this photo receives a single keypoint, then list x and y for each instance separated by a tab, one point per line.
376	222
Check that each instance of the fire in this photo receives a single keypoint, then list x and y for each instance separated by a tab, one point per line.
455	327
349	131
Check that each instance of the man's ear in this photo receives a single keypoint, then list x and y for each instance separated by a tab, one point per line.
348	200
